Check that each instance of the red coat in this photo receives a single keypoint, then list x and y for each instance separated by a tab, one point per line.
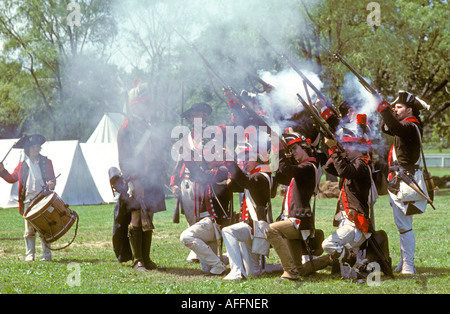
21	174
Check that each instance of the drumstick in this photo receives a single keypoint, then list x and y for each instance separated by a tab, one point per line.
8	152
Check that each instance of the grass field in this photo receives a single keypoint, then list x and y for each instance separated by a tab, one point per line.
89	264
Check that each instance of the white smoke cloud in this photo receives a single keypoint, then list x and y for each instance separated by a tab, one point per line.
365	103
282	103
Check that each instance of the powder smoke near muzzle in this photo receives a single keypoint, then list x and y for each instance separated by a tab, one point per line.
219	30
283	103
364	102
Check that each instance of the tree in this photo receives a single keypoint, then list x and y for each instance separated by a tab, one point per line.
62	61
408	50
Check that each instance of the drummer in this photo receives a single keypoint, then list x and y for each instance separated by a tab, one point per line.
35	175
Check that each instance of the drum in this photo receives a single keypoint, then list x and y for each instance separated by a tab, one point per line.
51	217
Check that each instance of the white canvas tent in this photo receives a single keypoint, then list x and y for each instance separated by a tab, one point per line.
107	129
100	152
100	157
83	166
75	184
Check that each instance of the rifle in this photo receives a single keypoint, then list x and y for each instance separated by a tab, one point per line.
257	118
176	213
361	80
303	76
411	183
266	86
385	264
319	121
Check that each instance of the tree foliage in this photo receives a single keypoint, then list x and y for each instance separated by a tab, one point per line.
59	63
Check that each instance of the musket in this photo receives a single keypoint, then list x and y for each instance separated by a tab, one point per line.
205	62
411	183
266	86
176	213
327	132
257	118
358	76
385	264
303	76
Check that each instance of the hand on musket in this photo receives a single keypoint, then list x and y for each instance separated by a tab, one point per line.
411	183
321	124
330	142
176	190
228	93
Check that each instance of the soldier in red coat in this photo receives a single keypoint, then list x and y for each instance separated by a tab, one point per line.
353	212
34	174
402	121
140	161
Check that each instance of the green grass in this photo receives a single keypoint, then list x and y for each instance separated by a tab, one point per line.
436	151
439	172
101	273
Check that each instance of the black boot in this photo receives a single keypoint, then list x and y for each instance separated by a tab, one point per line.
135	238
146	247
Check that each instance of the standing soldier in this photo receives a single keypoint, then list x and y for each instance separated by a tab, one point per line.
403	122
140	160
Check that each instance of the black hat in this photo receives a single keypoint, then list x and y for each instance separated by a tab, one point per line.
295	137
30	140
410	100
345	106
197	107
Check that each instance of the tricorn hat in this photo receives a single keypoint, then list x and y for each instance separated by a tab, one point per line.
410	100
197	107
30	140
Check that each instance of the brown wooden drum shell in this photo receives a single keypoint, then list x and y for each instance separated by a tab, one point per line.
51	218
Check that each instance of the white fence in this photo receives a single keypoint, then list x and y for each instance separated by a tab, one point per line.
437	160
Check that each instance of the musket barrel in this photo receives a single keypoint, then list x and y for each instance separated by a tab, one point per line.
319	121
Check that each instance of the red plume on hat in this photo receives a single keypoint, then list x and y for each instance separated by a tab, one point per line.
361	135
139	92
